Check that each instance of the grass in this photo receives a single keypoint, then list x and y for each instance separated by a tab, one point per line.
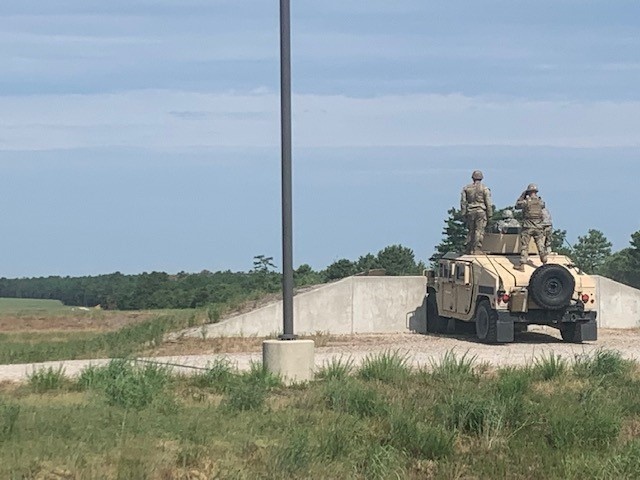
129	340
138	420
30	306
389	367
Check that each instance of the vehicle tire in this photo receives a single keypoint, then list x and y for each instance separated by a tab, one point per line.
486	322
551	286
435	323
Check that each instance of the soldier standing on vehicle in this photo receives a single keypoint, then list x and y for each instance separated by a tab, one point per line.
476	206
531	205
547	228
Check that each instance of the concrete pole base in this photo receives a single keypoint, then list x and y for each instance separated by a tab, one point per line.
292	360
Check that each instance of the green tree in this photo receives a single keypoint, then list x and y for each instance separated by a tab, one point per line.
367	262
591	251
339	269
624	266
305	275
454	235
397	260
263	264
559	243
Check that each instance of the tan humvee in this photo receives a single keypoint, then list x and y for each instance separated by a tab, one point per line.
486	290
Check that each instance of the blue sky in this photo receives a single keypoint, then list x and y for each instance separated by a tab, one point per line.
144	135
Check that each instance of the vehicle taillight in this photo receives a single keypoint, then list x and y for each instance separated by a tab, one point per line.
505	297
585	298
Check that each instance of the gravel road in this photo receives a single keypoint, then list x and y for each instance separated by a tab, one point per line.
420	349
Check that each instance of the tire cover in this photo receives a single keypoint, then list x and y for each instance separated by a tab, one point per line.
551	286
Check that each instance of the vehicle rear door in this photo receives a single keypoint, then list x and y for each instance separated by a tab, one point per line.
463	286
447	289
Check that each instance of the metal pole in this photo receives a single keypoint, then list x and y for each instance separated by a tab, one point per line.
287	216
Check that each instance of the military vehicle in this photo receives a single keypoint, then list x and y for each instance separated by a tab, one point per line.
484	288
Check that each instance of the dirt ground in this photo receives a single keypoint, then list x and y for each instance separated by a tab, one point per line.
421	350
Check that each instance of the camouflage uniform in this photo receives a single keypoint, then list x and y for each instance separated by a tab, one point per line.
531	206
476	206
547	228
507	222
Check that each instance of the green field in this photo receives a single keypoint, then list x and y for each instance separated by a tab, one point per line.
31	306
382	420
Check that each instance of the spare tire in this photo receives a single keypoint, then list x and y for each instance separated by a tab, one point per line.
551	286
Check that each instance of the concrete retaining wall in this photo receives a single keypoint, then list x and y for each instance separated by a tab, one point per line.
618	305
351	305
387	305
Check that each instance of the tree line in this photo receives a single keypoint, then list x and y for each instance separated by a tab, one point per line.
157	290
592	252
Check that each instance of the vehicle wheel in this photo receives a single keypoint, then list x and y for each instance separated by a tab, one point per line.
486	322
551	286
435	323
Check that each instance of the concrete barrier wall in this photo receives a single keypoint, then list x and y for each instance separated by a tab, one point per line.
618	305
351	305
387	305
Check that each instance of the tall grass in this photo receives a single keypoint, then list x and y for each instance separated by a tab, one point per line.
336	368
127	384
601	363
136	420
389	366
452	367
549	366
45	379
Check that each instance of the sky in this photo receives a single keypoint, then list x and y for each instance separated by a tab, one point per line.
143	135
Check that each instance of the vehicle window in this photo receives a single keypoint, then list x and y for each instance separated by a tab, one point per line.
444	270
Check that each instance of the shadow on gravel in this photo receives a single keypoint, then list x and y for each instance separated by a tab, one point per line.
528	338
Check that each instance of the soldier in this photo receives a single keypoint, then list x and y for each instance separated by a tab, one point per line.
547	228
475	204
531	205
507	222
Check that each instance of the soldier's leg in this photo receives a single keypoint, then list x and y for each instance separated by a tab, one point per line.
525	238
481	225
539	237
548	237
468	245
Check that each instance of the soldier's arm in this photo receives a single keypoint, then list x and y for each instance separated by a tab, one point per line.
521	200
488	203
463	202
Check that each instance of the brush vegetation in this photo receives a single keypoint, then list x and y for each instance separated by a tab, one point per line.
556	419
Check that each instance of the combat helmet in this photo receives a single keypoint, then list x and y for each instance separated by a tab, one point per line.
532	187
477	175
507	214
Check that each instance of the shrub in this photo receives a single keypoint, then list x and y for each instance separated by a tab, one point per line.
386	367
46	379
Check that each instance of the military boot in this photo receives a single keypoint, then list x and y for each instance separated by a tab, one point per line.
520	267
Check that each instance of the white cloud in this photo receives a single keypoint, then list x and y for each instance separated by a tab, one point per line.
169	119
